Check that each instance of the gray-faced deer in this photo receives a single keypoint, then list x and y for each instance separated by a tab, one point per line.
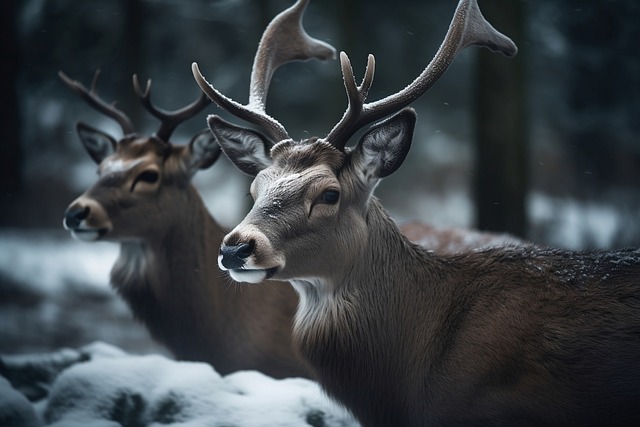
144	200
402	336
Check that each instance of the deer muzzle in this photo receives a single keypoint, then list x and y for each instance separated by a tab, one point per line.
86	220
234	256
74	216
248	256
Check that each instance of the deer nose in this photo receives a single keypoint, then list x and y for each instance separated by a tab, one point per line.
234	256
74	215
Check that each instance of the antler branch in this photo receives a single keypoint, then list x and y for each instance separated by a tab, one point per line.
169	120
284	40
468	27
92	98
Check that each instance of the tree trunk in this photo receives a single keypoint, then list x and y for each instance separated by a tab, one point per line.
134	59
11	158
501	177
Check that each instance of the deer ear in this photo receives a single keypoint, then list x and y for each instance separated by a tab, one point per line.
203	151
97	143
246	149
381	150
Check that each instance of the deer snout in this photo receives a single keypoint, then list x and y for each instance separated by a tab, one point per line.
86	219
234	256
74	215
247	254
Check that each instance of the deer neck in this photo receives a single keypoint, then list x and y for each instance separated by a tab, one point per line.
350	328
371	272
164	277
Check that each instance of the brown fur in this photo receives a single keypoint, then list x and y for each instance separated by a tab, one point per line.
448	342
454	240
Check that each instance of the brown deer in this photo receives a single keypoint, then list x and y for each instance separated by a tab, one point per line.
452	240
506	336
145	201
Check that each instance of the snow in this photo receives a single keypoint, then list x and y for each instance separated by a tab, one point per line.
15	409
106	387
37	259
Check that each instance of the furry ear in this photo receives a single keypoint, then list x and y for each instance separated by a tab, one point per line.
381	150
203	151
245	148
98	144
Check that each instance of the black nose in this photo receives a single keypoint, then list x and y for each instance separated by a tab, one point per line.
233	256
74	215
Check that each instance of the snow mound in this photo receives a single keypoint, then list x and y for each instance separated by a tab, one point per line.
152	390
15	409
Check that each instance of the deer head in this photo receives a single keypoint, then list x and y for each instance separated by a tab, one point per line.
311	197
138	175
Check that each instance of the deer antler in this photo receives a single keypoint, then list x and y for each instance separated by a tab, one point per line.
92	98
169	120
284	40
468	27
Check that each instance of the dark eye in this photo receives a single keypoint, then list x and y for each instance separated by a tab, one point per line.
149	176
330	197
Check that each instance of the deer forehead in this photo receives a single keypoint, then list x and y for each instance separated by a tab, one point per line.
141	146
288	184
118	165
131	153
298	165
305	154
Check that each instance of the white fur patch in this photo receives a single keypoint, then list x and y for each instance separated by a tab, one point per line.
83	232
85	235
134	261
118	165
313	302
248	276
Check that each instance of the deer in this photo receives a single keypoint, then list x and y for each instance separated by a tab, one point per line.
452	240
145	201
400	335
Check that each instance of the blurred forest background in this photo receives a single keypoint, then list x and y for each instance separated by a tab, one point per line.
544	146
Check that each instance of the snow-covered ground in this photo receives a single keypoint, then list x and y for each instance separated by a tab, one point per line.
100	385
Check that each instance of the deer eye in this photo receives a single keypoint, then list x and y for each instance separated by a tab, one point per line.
330	197
148	176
